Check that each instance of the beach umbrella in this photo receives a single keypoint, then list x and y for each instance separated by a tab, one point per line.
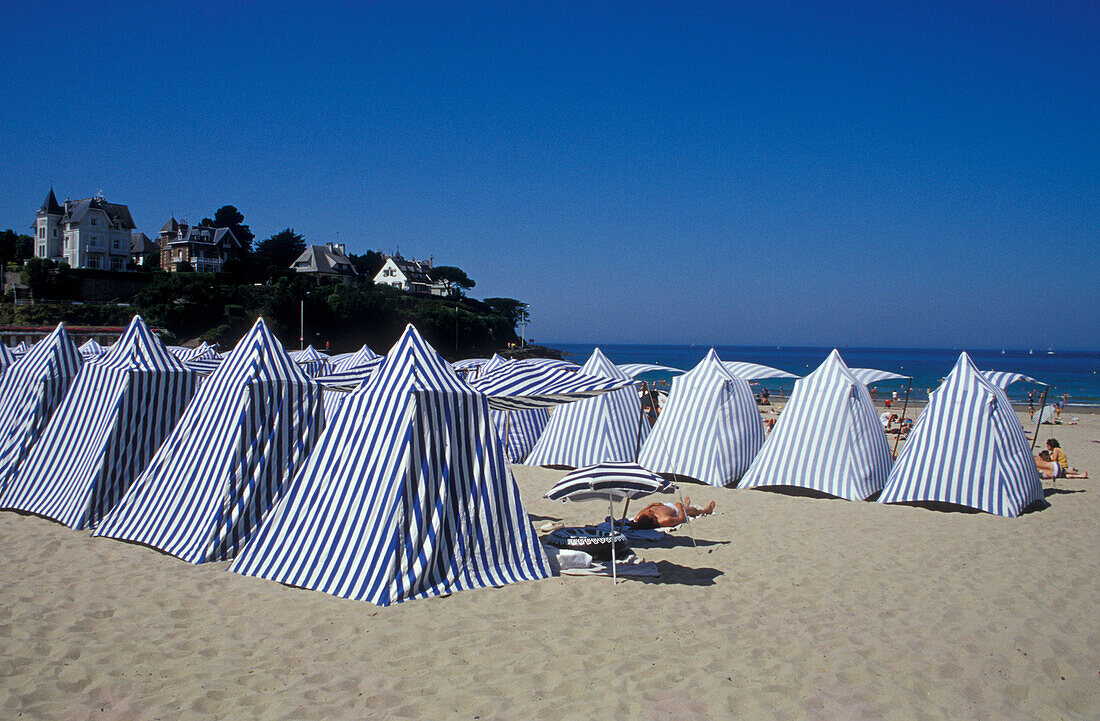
522	385
754	371
613	481
636	369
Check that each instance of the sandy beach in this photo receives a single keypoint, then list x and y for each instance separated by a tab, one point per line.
790	608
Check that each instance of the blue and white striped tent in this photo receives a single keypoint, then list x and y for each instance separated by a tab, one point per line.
20	350
312	361
226	462
31	389
710	428
609	427
518	429
828	439
200	352
967	448
346	373
121	406
406	495
91	349
7	358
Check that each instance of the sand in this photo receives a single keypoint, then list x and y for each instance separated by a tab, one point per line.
791	608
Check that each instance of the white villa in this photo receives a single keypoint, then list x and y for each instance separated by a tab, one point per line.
89	233
411	276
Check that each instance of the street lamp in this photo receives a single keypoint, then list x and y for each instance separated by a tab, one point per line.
302	322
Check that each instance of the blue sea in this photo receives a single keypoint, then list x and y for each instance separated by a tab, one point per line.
1074	373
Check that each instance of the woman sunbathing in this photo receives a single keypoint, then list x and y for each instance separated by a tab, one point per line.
1055	470
667	515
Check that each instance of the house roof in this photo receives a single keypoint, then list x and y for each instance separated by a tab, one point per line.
140	243
117	213
50	206
171	226
324	259
200	234
412	269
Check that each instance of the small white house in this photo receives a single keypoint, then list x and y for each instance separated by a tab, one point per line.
409	275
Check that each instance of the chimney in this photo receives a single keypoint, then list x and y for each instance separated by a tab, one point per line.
340	248
331	248
431	261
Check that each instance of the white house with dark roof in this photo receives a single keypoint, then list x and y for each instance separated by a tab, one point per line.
202	247
411	276
140	248
326	262
88	233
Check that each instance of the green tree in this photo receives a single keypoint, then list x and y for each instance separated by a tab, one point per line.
229	217
454	279
368	264
515	311
282	248
15	247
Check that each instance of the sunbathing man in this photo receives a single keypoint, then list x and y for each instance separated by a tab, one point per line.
667	515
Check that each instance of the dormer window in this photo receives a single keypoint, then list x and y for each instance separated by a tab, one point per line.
93	221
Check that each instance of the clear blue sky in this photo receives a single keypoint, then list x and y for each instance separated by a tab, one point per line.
921	174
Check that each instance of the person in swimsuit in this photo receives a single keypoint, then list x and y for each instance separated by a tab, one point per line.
667	515
1054	470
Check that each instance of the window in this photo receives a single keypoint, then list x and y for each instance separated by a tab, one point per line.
93	261
94	240
41	231
116	263
41	251
55	232
93	221
114	243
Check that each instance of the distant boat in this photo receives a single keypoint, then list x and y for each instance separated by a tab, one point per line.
1002	351
1030	352
1050	352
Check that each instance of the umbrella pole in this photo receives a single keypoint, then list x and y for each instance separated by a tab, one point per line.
507	432
904	406
691	530
614	572
1042	405
641	419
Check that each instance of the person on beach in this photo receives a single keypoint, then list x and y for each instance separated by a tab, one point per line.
1054	470
1060	406
668	515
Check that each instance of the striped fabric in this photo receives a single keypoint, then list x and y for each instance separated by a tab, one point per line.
348	361
1003	379
553	363
520	385
7	358
20	350
618	481
828	438
202	351
407	495
345	375
637	369
224	465
966	448
755	371
91	349
867	376
709	428
519	431
206	365
609	427
121	406
30	391
468	363
312	361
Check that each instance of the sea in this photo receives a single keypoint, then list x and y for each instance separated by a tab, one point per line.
1074	373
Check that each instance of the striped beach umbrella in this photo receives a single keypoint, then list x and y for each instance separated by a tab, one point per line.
406	495
119	409
255	420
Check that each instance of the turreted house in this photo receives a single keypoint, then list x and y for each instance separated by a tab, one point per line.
202	247
88	233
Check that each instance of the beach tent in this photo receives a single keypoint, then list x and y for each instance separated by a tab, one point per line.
345	373
606	428
406	495
255	420
121	406
30	391
967	448
828	439
202	351
709	429
91	349
20	350
7	358
312	361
